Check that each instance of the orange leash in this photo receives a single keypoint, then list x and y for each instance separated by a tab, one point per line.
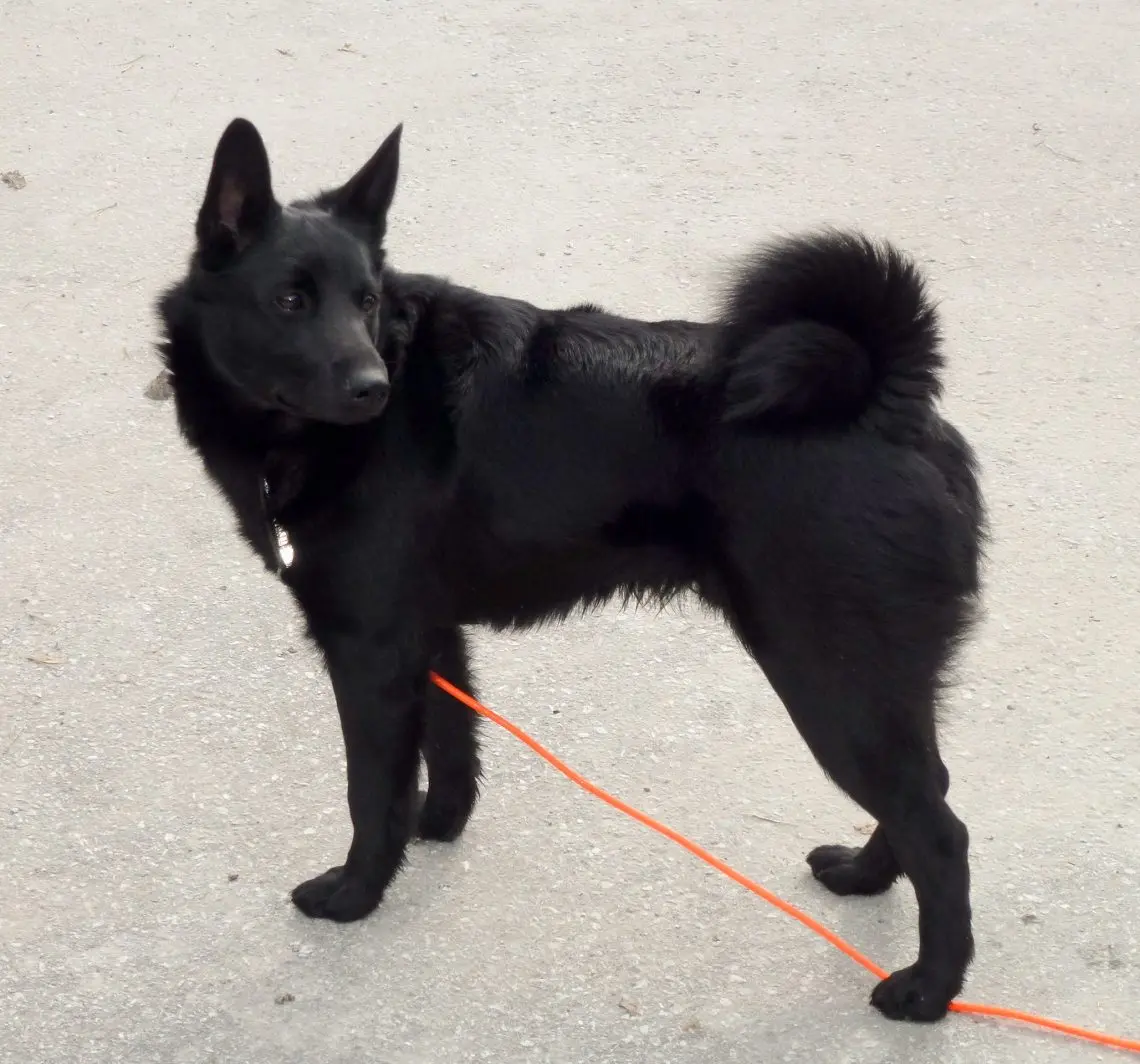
965	1007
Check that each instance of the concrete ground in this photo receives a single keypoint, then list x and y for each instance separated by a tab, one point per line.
170	761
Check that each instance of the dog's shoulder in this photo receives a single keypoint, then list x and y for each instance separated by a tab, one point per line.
461	329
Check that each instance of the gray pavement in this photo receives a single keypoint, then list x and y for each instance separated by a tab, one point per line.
170	762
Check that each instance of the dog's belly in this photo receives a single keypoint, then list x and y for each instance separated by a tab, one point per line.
525	587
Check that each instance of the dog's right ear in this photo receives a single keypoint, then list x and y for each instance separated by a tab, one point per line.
239	202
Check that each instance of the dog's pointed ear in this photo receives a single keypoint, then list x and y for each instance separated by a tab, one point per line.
239	202
366	197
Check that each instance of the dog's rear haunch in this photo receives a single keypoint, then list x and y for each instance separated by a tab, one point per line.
439	457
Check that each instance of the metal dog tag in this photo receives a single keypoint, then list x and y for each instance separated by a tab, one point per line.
278	537
283	549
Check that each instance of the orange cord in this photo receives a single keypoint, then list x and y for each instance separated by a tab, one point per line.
963	1007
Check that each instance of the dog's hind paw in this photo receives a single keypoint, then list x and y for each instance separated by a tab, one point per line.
845	870
443	814
336	895
912	994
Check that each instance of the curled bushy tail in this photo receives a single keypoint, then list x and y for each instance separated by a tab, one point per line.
827	329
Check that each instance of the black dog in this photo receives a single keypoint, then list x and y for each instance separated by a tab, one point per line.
413	457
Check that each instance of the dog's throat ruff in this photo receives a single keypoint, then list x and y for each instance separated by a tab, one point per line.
278	537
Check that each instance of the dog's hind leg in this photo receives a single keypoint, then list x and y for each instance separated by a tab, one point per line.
450	746
863	698
870	869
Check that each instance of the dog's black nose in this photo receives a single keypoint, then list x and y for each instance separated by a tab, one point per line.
367	387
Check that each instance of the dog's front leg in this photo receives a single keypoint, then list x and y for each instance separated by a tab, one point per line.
379	687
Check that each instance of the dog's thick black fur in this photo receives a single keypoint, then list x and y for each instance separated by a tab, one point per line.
440	458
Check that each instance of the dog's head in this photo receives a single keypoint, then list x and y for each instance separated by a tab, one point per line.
289	297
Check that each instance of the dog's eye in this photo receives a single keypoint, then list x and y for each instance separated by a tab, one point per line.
368	302
291	302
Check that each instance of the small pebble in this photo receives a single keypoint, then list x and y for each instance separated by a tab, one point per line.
160	389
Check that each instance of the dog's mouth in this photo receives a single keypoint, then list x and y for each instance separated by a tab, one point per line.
347	414
288	415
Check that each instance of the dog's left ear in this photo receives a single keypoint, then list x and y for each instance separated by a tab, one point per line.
366	197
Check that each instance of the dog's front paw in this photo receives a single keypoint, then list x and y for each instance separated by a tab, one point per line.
337	895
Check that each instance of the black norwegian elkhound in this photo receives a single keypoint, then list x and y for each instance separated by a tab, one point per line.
413	457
